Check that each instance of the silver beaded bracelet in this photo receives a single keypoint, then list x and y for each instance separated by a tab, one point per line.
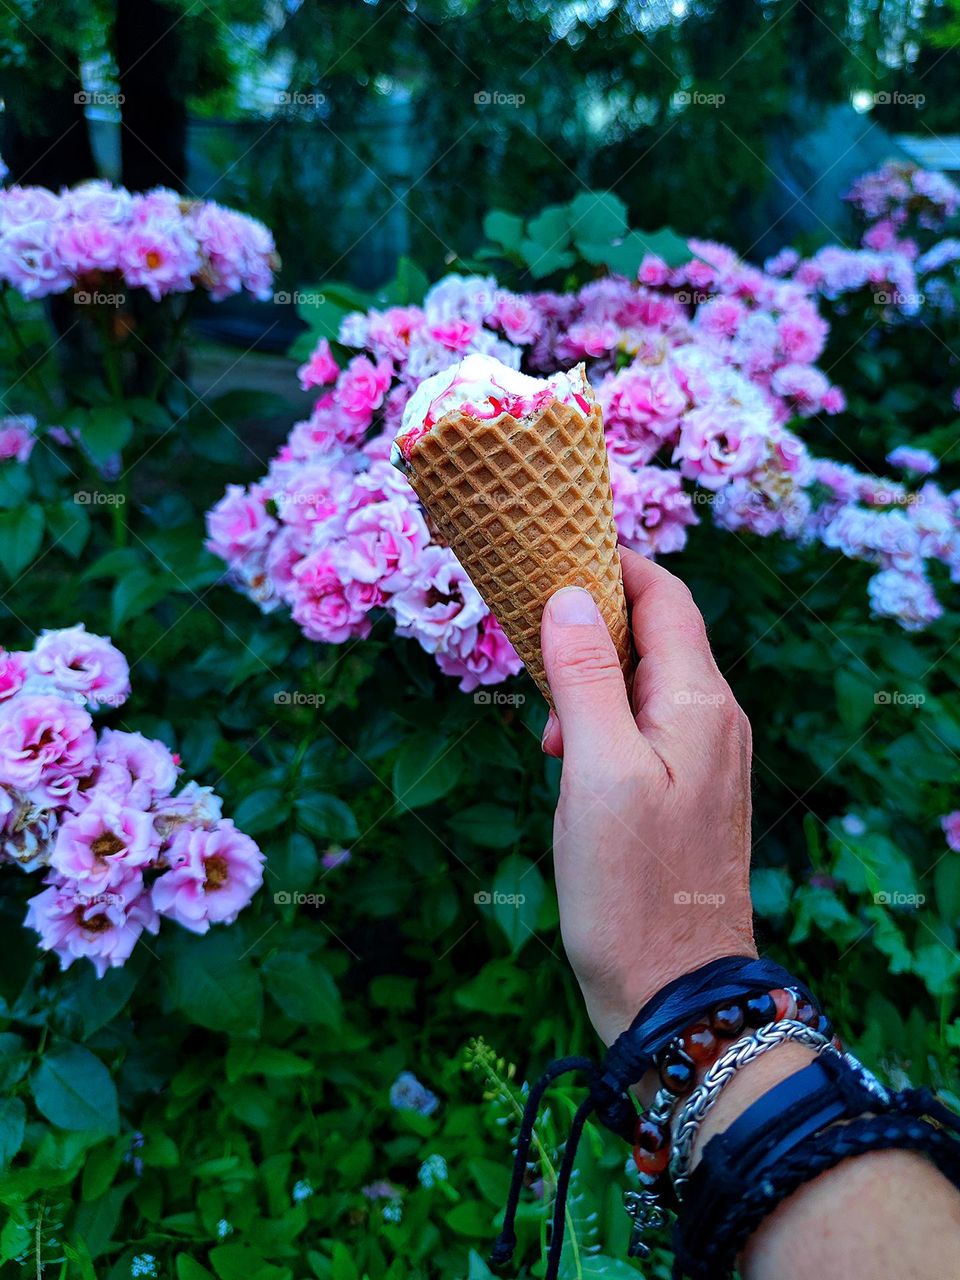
692	1113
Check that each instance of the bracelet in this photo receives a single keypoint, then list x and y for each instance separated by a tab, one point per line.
721	1073
772	1184
656	1037
833	1087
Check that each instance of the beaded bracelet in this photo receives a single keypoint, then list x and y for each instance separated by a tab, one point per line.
721	1073
699	1046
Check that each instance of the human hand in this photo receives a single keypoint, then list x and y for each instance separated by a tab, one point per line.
652	829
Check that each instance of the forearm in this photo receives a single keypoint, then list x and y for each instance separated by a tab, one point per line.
887	1215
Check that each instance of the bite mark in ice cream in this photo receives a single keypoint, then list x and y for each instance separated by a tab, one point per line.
484	388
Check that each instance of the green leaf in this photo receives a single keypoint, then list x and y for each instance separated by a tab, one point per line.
938	966
506	229
107	430
21	533
551	227
74	1090
597	216
408	286
189	1269
97	1220
946	881
69	526
491	825
134	595
771	890
302	988
13	1120
326	816
544	259
477	1269
427	768
261	811
518	893
470	1218
240	1262
855	699
215	985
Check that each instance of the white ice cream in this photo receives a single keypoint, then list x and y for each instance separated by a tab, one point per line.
487	388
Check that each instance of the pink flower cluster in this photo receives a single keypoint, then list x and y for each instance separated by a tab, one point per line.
705	372
18	435
900	190
96	235
98	813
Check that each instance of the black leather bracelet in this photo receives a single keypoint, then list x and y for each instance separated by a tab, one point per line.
715	1256
831	1088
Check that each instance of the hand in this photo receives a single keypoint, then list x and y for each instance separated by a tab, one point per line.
652	829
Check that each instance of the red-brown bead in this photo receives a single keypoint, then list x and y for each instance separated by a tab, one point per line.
786	1003
678	1073
806	1013
651	1162
700	1044
727	1020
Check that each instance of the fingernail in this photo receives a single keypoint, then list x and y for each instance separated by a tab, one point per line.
551	721
574	607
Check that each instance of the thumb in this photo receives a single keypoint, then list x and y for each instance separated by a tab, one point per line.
584	674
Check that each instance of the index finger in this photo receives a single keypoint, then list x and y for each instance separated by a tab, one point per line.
668	630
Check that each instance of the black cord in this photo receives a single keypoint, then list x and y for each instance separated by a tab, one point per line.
663	1017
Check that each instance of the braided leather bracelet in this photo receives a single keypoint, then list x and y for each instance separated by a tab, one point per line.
716	1254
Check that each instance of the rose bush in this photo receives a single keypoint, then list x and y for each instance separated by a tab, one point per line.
318	1089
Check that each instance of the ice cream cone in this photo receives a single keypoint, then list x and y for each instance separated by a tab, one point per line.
527	509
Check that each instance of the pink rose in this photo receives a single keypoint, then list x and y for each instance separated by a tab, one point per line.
439	603
213	875
79	662
46	745
363	385
715	446
320	605
102	844
320	369
103	926
238	524
17	437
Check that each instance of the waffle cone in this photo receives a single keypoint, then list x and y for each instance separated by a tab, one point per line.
527	509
